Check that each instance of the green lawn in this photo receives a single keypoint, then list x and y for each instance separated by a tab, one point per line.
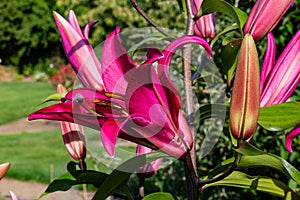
41	156
18	99
34	156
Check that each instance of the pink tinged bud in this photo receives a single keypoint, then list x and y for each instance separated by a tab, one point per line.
73	136
3	169
269	60
264	16
149	169
290	136
244	105
283	78
205	27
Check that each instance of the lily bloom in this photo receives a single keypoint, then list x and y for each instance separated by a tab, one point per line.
264	16
280	79
149	169
205	25
136	103
73	137
3	169
244	104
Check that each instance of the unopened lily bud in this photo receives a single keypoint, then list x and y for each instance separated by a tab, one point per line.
264	16
3	169
205	27
245	102
73	136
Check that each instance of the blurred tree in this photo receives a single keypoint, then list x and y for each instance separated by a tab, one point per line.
28	33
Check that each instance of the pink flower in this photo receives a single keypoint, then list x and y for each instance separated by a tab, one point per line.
264	16
136	103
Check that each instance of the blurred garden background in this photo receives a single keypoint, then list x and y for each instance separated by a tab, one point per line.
32	63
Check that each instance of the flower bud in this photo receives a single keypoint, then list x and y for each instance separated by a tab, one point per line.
245	102
3	169
73	136
264	16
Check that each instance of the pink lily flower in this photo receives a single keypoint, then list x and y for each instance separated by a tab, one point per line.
3	169
264	16
136	103
279	79
149	169
204	26
73	136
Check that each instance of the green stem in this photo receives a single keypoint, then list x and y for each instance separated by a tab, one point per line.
148	18
235	163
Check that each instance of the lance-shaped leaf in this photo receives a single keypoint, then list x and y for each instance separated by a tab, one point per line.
244	106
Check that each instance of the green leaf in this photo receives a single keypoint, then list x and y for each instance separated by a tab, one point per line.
227	29
61	183
119	177
159	195
52	97
209	6
229	56
280	116
254	158
260	183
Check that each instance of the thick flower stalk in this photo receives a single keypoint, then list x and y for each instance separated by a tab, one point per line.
3	169
264	16
204	26
73	137
136	103
280	79
244	105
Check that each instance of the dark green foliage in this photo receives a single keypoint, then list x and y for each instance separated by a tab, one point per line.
28	35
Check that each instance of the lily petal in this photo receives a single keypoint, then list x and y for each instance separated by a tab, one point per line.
290	136
269	60
115	63
285	75
79	52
